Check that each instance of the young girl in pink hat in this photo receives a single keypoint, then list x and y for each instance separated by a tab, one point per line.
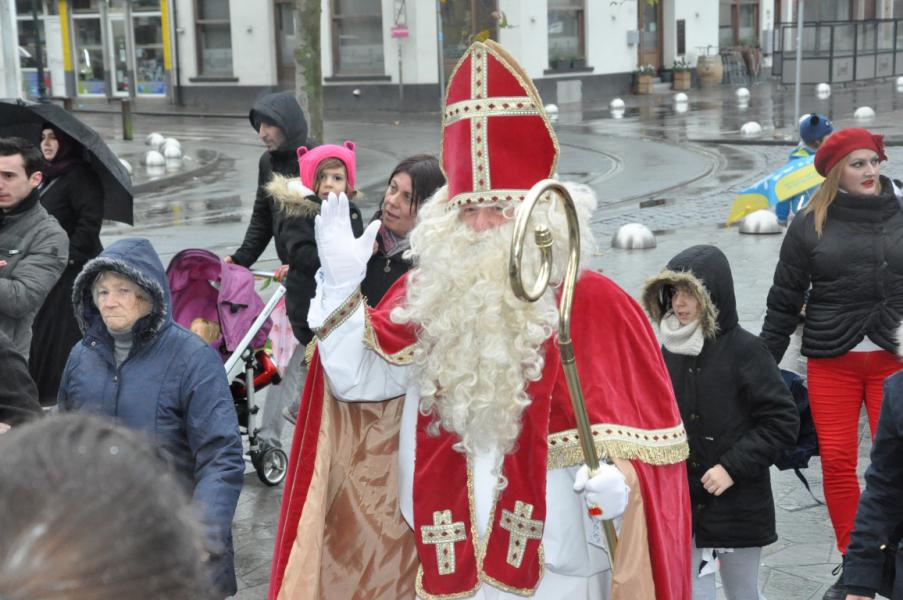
324	170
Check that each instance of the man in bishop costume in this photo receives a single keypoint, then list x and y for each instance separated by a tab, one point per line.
436	455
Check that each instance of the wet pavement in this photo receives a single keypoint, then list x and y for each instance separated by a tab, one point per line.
685	166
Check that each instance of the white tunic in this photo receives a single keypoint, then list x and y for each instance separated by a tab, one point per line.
576	567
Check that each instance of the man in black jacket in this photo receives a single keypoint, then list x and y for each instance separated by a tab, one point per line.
18	394
281	126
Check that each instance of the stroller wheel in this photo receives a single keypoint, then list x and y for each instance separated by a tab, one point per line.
271	466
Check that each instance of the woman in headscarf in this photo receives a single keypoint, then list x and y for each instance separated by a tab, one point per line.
73	194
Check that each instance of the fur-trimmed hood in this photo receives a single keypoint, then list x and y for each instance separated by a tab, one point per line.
292	197
136	259
705	271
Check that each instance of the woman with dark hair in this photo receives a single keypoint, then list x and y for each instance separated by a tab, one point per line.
91	513
847	244
412	182
72	193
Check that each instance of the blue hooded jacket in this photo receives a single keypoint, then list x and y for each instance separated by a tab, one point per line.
172	386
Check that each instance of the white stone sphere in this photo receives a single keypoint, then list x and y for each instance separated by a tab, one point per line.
616	104
864	113
154	140
152	158
172	152
823	90
681	107
751	129
681	98
633	236
742	93
171	141
761	222
127	165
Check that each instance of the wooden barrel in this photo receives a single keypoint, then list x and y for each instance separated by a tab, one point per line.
710	70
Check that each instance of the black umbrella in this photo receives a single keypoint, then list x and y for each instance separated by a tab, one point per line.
24	119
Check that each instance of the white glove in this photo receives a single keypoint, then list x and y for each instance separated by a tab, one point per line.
343	259
606	492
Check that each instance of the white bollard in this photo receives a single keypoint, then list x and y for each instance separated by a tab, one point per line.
616	104
760	222
154	140
552	112
152	158
751	129
742	93
681	98
822	90
633	236
864	113
171	152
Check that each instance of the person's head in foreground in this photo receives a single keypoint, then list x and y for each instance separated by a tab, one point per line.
91	513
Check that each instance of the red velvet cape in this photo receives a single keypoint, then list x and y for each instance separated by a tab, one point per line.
629	400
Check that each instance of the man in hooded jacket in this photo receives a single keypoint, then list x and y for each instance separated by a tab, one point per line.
280	125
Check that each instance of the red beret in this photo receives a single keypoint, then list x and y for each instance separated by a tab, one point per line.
841	143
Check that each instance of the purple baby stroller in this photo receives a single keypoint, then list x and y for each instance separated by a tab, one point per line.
218	300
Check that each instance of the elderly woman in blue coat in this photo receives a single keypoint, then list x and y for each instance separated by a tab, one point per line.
138	367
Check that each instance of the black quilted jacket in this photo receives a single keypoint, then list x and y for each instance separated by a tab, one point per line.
855	270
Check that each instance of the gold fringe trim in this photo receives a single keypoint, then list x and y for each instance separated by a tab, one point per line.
309	351
341	314
651	446
405	356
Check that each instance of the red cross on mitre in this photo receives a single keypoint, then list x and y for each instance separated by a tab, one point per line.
496	138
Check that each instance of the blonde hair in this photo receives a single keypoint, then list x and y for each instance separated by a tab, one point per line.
209	331
827	192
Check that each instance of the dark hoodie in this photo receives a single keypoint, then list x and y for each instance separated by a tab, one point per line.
172	386
283	110
737	411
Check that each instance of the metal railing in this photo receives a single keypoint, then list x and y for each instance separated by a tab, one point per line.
840	51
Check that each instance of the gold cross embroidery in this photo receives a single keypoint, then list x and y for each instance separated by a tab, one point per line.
521	528
444	533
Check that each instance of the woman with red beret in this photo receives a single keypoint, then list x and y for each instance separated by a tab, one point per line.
848	246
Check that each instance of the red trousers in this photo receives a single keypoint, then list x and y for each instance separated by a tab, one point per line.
837	389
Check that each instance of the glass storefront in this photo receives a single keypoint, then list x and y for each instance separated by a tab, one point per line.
89	51
106	39
149	75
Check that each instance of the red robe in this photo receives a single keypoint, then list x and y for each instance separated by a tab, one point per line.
630	404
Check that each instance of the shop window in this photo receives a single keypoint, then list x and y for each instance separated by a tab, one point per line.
567	35
357	37
149	76
81	6
90	56
145	5
28	56
214	38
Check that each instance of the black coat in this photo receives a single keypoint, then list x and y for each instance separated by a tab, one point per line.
879	519
856	272
75	199
266	221
736	409
382	272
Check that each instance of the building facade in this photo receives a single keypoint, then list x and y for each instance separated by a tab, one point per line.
387	54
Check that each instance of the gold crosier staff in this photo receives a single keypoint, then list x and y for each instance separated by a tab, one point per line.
543	237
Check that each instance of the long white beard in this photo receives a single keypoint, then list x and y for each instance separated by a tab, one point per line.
478	345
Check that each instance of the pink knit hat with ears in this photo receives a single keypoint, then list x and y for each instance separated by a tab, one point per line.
309	160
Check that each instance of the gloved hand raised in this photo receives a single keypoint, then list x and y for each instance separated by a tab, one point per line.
606	491
343	258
